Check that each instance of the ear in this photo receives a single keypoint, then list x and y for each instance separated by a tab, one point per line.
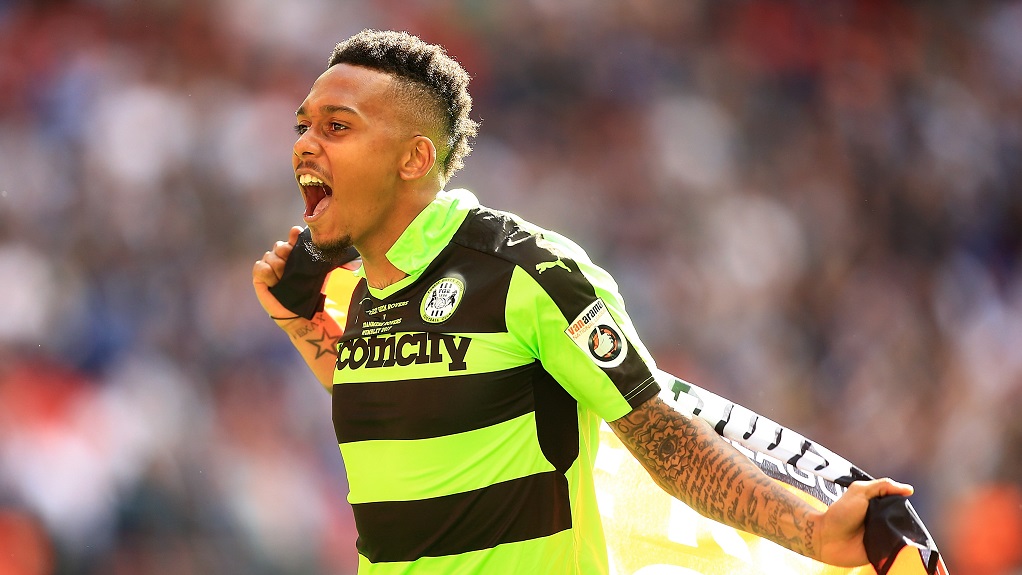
419	158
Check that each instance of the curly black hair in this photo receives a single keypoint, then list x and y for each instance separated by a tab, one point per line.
429	78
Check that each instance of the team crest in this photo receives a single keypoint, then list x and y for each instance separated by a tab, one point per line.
441	300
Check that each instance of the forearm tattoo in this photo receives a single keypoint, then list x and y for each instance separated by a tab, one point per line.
691	462
316	333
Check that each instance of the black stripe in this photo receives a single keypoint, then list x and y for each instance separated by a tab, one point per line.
433	407
640	393
556	422
517	510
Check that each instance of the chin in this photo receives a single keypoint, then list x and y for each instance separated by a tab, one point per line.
335	251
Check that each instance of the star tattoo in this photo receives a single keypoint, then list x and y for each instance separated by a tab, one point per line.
325	345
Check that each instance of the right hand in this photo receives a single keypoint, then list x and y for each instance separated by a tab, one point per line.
267	271
843	526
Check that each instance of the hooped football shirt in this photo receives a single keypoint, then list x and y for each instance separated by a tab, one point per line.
467	397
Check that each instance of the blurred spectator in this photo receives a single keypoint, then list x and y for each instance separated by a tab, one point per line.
986	537
27	548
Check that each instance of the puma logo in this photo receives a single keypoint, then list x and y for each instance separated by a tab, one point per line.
544	266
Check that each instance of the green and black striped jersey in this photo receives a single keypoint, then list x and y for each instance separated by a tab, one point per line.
467	398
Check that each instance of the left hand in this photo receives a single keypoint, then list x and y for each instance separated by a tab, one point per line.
267	271
843	524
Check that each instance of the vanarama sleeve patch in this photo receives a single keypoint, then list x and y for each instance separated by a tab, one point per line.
595	332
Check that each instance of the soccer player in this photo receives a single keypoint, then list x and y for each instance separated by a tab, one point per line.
480	352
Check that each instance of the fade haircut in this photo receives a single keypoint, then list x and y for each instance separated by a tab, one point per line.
429	80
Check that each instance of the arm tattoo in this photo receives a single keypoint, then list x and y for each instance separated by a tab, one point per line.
691	462
317	334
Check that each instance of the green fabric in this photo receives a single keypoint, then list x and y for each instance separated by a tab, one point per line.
438	466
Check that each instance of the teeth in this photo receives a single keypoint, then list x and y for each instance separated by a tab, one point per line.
309	180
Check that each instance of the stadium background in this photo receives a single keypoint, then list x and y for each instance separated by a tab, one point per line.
813	209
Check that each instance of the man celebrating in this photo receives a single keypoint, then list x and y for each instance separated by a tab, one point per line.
481	352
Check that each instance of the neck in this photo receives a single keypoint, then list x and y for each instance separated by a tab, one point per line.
380	273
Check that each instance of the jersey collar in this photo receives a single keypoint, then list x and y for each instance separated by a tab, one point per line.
427	235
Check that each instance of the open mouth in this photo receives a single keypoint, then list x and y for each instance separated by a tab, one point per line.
316	193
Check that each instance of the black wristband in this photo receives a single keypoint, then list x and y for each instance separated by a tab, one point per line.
300	286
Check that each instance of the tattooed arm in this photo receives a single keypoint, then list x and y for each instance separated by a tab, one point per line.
315	339
690	461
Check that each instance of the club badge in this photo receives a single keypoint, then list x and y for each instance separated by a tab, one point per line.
441	300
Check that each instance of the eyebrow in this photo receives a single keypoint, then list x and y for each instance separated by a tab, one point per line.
327	109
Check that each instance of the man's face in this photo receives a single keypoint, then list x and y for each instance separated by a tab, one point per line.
347	154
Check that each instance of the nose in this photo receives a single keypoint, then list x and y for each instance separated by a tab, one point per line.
306	144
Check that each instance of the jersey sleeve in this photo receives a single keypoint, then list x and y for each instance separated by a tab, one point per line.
568	312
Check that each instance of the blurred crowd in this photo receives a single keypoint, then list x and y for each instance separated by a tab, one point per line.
812	208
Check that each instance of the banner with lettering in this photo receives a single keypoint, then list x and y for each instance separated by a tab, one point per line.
651	533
